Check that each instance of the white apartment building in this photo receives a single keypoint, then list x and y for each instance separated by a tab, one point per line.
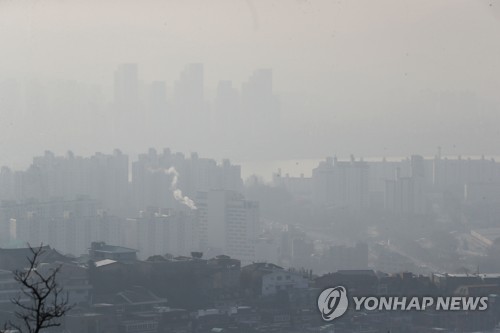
228	223
159	233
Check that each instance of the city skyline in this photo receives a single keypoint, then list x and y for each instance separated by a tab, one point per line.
253	166
346	80
155	107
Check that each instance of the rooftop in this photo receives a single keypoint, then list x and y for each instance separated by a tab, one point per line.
103	247
104	262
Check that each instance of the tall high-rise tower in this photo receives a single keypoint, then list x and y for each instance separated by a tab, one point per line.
126	88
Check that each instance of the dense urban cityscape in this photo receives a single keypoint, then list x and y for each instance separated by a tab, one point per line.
164	241
195	237
253	166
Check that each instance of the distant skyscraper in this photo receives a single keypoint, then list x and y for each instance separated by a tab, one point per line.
227	120
191	121
101	177
126	88
67	226
229	224
164	231
407	195
341	184
260	106
188	89
151	180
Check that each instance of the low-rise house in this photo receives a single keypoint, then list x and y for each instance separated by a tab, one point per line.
268	279
358	282
16	259
100	251
9	289
73	279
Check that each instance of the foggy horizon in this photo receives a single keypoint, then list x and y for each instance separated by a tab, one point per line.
347	82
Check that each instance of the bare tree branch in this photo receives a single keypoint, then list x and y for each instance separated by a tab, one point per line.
41	301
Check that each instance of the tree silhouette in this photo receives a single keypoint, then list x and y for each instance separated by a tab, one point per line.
41	301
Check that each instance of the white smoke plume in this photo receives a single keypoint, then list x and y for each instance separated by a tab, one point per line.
185	200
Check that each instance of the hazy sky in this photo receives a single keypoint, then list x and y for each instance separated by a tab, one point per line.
362	70
442	44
